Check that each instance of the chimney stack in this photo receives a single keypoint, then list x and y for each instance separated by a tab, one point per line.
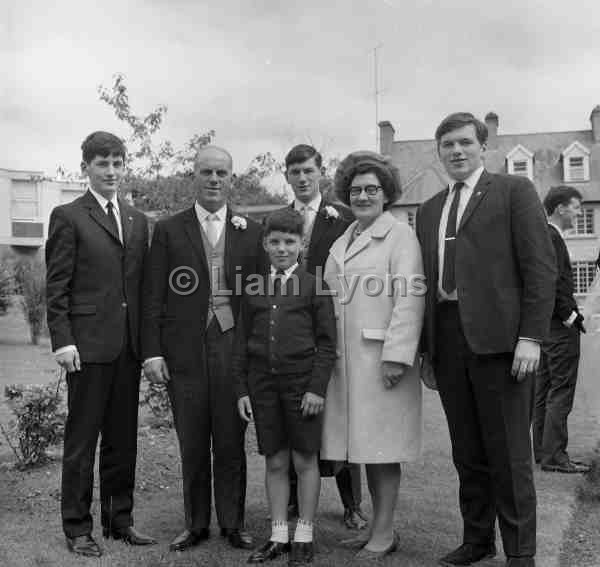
386	137
595	119
491	121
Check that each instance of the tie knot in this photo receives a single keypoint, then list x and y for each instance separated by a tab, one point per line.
212	217
280	272
458	186
110	206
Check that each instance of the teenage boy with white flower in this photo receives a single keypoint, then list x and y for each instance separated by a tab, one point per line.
284	356
198	263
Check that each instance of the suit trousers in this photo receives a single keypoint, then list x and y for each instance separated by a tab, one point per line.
102	400
554	394
489	418
205	414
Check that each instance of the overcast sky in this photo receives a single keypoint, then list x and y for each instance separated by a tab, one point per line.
266	74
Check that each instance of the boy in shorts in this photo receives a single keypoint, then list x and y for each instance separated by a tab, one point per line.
284	356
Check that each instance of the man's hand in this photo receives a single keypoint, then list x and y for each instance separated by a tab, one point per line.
312	404
69	360
526	360
245	408
156	370
427	372
392	373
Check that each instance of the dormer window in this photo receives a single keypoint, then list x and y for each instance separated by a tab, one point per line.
576	163
519	161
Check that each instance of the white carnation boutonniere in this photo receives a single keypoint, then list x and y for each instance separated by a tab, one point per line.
239	223
330	213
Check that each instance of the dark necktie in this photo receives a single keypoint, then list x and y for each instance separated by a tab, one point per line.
448	277
112	219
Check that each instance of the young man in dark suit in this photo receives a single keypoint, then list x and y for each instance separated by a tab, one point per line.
95	257
557	378
490	271
323	224
199	261
284	356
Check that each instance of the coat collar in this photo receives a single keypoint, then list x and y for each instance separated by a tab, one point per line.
98	215
479	193
340	250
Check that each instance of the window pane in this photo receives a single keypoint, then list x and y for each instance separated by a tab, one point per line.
24	210
24	190
520	167
583	275
585	222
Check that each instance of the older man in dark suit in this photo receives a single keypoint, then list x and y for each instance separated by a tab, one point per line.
200	260
95	257
490	268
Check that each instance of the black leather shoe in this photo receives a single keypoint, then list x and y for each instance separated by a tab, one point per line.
237	538
129	535
468	553
268	551
187	539
301	553
568	467
520	562
84	545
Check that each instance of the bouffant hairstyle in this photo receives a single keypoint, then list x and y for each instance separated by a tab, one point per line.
560	195
368	162
102	144
285	220
458	120
302	153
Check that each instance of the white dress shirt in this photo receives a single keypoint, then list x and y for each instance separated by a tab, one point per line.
465	194
219	216
312	208
286	273
103	201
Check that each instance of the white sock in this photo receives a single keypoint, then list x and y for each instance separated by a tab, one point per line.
280	532
304	531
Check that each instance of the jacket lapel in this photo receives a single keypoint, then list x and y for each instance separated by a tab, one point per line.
320	227
434	227
98	215
126	222
192	229
233	243
477	196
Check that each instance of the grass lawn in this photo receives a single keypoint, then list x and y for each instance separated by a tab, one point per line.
427	517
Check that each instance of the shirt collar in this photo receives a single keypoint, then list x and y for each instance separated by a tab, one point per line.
471	181
286	273
312	205
103	201
560	230
202	213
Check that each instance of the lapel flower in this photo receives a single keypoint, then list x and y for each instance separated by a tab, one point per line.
239	223
330	213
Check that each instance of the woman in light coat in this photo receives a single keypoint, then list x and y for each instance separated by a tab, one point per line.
373	408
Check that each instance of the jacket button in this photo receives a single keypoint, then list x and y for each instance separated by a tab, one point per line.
124	304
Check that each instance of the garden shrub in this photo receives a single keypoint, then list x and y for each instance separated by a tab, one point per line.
39	420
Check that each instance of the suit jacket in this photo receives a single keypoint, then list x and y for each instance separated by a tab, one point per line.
298	336
505	267
325	232
175	318
564	303
93	282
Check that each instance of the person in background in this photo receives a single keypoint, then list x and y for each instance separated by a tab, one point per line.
557	377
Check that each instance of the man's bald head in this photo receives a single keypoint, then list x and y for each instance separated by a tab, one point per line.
212	150
213	171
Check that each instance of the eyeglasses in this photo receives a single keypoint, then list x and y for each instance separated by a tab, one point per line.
370	190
